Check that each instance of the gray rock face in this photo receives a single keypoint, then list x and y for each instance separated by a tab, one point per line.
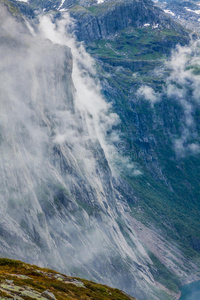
49	295
104	20
95	21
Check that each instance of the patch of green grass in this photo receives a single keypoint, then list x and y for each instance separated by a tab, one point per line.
163	275
10	262
78	8
136	44
4	295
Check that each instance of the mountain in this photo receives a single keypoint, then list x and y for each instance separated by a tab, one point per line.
81	192
23	281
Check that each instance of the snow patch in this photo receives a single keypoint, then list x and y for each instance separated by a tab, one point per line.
167	11
156	26
153	26
23	1
100	1
193	11
62	2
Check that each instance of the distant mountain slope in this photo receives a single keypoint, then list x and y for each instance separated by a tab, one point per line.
129	56
134	71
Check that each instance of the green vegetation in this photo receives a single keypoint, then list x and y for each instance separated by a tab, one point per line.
167	210
79	8
168	190
90	210
12	8
162	274
104	7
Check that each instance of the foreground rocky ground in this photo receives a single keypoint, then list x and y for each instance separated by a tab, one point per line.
22	281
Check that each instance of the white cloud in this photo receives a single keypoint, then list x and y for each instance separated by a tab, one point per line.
182	86
147	93
88	98
194	148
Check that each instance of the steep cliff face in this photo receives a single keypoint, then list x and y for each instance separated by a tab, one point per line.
60	204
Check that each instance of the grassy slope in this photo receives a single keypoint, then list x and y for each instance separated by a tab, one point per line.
131	43
29	282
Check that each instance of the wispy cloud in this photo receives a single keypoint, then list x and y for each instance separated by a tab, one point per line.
181	85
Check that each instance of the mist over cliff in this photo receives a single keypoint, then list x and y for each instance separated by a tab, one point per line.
61	205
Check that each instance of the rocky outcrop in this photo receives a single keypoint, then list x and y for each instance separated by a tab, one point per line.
47	284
